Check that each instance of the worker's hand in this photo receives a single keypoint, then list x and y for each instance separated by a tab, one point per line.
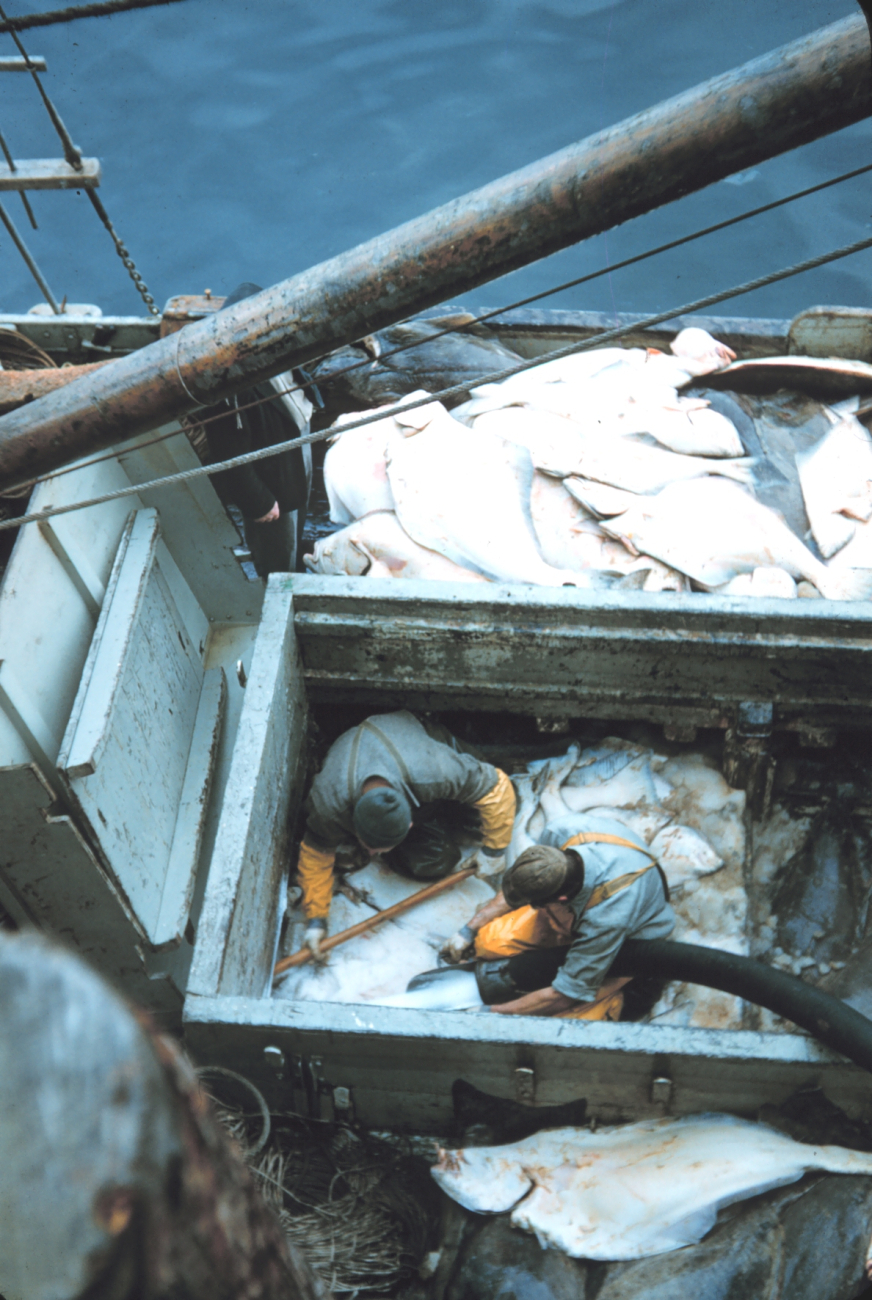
491	865
316	930
271	516
459	946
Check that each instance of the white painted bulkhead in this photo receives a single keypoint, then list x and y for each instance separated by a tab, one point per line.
120	629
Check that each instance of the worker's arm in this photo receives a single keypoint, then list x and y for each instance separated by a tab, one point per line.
497	906
315	872
497	812
460	945
544	1002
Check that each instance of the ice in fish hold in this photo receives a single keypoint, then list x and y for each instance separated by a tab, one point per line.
634	1190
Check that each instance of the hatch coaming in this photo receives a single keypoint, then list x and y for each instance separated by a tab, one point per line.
397	1066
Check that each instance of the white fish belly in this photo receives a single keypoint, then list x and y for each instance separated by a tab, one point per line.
635	1190
467	496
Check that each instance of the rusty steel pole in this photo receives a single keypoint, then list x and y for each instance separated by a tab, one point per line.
797	93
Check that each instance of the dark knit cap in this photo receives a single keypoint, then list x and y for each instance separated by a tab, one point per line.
540	875
382	817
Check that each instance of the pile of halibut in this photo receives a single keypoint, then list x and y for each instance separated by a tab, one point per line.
595	470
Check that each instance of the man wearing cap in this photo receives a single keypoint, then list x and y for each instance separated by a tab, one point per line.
404	790
587	886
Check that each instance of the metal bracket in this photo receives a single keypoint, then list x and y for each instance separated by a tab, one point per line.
748	763
525	1085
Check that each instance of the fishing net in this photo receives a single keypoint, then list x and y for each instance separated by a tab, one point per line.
355	1205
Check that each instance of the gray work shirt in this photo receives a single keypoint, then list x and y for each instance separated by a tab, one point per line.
396	747
638	912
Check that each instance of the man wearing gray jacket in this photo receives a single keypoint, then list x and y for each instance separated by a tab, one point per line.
587	886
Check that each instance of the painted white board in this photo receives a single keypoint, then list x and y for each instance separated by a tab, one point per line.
140	717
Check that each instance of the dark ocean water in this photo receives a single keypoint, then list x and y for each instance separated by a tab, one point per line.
247	141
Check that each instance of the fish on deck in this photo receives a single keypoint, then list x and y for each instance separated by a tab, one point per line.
377	546
635	1190
468	497
713	531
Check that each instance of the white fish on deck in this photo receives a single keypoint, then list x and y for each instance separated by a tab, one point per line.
378	546
601	500
563	448
468	497
355	469
836	480
712	530
634	1190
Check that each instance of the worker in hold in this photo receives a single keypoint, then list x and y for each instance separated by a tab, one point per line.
565	909
407	791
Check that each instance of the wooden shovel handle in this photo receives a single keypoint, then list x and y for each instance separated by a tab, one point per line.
439	887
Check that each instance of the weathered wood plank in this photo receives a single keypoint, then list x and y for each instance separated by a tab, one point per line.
16	63
75	564
25	717
621	655
50	878
236	935
400	1064
104	667
178	888
50	174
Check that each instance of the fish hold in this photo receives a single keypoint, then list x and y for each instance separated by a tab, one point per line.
836	479
712	531
467	496
378	546
634	1190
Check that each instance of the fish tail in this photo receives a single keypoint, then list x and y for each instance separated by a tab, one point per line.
839	1160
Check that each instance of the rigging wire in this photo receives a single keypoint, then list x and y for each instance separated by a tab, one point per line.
73	156
10	163
499	311
597	340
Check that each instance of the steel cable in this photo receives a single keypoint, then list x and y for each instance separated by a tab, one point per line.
597	340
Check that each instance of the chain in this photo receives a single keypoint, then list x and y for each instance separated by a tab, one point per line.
141	286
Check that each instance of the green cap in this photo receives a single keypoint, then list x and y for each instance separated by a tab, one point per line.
382	818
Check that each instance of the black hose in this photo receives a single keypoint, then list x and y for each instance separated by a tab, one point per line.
829	1020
